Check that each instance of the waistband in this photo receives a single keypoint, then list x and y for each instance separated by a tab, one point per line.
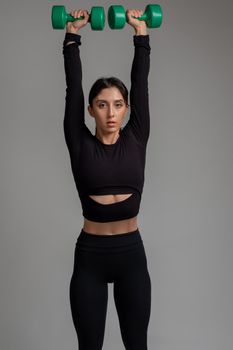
115	240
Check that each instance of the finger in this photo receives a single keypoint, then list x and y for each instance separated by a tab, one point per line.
72	13
133	13
138	13
130	12
86	14
80	13
75	14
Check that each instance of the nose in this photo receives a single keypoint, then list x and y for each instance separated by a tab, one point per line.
110	111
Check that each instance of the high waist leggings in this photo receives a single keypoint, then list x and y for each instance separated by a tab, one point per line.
119	259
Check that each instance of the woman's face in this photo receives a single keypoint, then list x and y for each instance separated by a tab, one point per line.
108	106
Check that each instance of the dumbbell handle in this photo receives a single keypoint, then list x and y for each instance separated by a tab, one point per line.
72	19
142	18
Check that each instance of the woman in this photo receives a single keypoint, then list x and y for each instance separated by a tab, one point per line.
108	170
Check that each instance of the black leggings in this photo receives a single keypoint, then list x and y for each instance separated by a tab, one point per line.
103	259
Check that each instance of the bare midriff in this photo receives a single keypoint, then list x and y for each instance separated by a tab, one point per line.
113	227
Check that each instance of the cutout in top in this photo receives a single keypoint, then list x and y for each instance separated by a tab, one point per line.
110	198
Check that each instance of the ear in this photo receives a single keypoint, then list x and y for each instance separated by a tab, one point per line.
90	111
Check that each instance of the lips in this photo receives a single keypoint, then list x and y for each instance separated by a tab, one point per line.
111	123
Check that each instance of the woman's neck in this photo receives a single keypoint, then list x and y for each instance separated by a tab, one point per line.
107	138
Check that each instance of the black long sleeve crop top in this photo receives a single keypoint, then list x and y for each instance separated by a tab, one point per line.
100	168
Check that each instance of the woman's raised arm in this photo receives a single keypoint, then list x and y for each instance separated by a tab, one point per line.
139	96
74	105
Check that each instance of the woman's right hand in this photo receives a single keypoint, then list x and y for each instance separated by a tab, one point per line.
73	27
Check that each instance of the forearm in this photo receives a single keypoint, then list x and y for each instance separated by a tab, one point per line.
72	61
139	94
74	107
141	64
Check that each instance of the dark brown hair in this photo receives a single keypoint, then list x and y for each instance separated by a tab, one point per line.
103	83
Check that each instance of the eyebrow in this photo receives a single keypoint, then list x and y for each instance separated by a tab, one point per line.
120	100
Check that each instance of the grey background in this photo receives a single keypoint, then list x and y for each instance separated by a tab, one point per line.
186	216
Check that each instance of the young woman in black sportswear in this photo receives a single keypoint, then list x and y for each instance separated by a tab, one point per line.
108	170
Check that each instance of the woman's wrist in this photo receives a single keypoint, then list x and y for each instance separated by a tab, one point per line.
140	31
72	31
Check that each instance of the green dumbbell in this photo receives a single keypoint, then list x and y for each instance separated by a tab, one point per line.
152	16
60	17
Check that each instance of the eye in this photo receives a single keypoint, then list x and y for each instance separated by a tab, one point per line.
119	105
101	105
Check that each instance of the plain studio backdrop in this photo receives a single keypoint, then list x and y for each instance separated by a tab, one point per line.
186	216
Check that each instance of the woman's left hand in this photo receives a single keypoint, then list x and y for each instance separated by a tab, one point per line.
139	26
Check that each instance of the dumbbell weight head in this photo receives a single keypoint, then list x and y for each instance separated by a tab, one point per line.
97	18
116	17
152	16
60	17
